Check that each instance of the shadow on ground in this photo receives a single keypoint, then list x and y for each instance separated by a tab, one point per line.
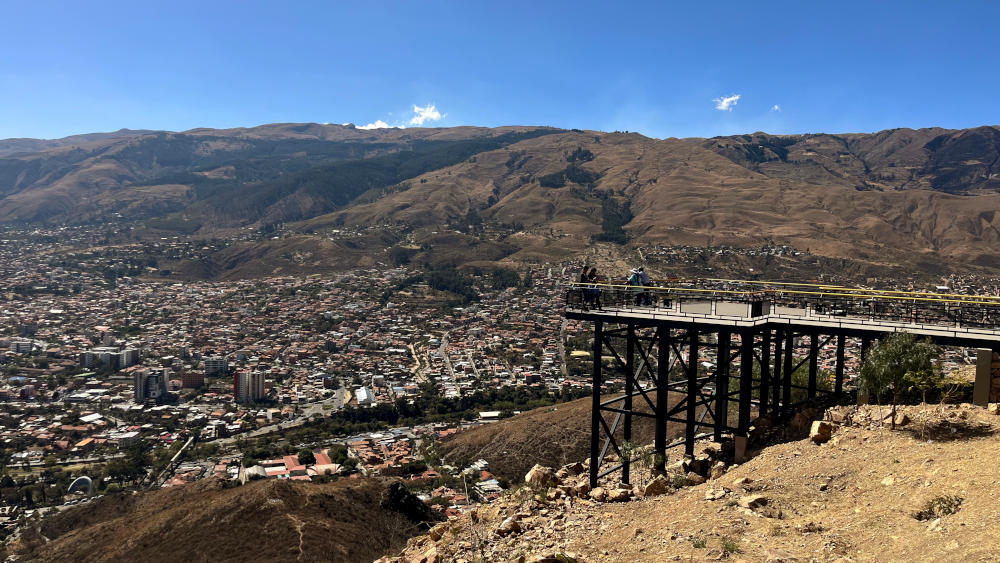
948	430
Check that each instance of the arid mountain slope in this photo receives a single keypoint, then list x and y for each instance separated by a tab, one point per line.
15	146
702	193
912	197
94	178
348	520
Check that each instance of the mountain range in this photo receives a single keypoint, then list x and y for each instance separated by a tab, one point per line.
922	197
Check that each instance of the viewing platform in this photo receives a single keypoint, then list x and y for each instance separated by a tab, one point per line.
948	319
733	351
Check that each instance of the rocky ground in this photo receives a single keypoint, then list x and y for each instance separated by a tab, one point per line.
858	491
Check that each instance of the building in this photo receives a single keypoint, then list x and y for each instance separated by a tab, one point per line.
21	346
192	380
248	386
364	396
128	357
216	365
151	384
28	392
105	357
124	439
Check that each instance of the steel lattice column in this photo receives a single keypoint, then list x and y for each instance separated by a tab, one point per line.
627	406
765	370
746	393
786	392
595	407
779	342
839	375
692	391
813	362
722	385
662	397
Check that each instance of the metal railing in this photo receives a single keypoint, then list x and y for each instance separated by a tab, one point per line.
773	298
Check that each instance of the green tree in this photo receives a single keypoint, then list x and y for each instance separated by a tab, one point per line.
885	369
924	380
306	457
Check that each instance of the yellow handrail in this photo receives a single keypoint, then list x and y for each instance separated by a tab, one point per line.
853	289
912	297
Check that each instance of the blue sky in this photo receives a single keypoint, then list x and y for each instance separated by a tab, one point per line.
665	69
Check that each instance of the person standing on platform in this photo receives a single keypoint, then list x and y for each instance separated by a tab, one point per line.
635	280
595	292
647	295
587	296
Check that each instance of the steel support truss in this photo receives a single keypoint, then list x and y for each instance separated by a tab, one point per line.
752	376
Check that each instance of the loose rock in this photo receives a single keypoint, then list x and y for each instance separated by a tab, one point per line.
429	556
718	470
553	558
540	477
742	482
821	431
714	494
619	495
658	486
778	556
753	501
694	478
599	494
508	527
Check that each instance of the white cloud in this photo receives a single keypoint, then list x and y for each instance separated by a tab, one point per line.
775	108
379	124
726	103
426	113
421	116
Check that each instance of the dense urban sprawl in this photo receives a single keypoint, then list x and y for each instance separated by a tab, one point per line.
114	370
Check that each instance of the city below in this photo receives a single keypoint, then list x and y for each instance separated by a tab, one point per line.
112	372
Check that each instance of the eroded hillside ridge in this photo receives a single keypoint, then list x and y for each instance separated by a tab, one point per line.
919	197
272	520
273	172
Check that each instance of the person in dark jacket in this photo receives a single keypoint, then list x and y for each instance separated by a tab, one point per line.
587	296
595	292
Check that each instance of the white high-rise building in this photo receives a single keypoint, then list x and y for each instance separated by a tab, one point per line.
248	386
128	357
109	357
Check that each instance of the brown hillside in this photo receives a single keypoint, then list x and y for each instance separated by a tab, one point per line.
921	199
875	198
551	436
261	521
295	255
87	177
855	498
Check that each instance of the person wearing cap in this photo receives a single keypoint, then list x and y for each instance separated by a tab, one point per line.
635	280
